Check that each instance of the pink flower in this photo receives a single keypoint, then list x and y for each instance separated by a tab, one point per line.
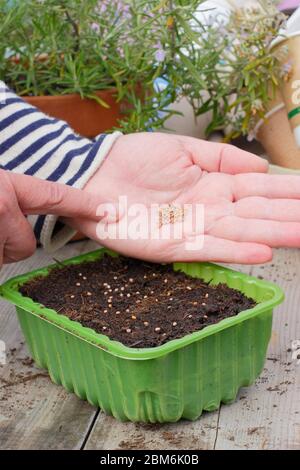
95	27
160	53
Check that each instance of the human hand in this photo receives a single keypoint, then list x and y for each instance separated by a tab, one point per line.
246	212
23	195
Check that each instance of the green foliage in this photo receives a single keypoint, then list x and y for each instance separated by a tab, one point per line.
230	66
50	47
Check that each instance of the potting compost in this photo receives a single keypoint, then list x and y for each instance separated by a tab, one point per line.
138	303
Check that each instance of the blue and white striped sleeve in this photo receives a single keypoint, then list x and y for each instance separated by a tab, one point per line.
34	144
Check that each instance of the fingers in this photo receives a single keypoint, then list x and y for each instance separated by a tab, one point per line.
270	232
213	156
269	186
284	210
213	249
190	248
36	196
224	251
20	243
17	238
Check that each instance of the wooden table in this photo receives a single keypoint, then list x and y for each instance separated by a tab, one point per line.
36	414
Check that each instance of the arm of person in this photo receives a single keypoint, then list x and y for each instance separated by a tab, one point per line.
246	212
34	144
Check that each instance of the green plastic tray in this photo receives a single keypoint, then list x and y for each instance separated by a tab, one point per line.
177	380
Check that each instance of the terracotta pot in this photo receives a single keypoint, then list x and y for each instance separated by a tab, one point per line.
87	117
288	53
275	134
278	140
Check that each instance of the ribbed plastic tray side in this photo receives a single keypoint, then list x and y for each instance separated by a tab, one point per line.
180	384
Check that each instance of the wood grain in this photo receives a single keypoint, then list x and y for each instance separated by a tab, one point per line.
108	434
35	413
267	415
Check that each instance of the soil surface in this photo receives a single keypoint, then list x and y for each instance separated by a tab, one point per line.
137	303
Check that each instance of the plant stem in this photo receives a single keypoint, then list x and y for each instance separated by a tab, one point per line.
76	31
172	28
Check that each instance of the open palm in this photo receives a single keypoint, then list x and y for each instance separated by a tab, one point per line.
246	212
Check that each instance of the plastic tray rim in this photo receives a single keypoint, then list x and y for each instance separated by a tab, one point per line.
9	291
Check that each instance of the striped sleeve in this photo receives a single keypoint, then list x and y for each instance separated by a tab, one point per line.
35	144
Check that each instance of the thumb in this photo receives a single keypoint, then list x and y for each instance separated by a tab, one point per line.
37	196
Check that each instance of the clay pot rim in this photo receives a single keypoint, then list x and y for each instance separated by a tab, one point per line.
279	41
61	97
269	114
68	96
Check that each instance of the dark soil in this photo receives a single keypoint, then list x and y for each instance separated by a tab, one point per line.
137	303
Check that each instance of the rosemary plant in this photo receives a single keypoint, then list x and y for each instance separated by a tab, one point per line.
50	47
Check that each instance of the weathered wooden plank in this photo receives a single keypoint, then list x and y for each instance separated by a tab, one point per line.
35	413
267	415
109	434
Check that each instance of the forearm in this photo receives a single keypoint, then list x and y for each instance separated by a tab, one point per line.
32	143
